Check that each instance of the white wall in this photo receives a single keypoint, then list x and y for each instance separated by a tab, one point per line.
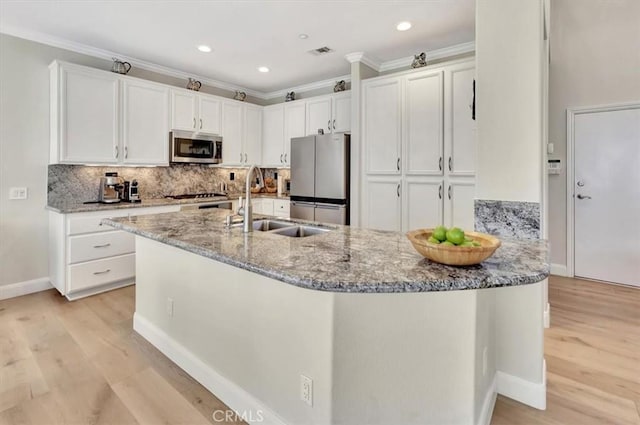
595	60
509	36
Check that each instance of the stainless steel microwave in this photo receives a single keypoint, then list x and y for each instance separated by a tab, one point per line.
188	147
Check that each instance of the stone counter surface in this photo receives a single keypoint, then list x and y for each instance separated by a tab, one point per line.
75	207
343	260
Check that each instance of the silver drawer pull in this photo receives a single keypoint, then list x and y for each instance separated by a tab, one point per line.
104	245
102	272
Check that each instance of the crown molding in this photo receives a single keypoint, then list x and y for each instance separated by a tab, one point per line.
362	57
330	82
61	43
445	52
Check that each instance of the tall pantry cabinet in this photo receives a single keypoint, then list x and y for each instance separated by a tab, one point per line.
419	149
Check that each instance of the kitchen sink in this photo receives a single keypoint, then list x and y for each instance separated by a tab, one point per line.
300	231
267	225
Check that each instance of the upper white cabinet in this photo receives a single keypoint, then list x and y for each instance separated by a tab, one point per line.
332	113
294	126
382	126
145	123
252	140
341	112
273	136
460	128
191	111
85	115
241	133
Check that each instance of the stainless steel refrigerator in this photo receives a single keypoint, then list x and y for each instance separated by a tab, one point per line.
320	178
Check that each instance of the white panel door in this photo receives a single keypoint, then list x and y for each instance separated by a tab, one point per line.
422	203
232	134
273	136
459	204
183	110
89	117
424	124
341	110
382	203
145	126
209	109
460	128
294	126
252	143
607	196
382	127
319	115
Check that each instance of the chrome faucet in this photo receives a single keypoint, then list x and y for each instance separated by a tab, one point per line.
246	210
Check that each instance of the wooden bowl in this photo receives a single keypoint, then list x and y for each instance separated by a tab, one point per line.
454	255
269	189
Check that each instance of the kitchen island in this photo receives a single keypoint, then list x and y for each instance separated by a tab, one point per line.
385	335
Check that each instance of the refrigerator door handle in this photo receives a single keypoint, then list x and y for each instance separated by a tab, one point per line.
330	206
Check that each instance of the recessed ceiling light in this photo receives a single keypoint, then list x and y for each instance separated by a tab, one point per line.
303	36
205	49
263	69
403	26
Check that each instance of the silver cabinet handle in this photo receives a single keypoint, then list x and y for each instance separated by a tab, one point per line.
583	197
329	125
240	157
580	183
449	192
281	158
104	245
245	157
398	164
285	158
102	272
200	123
440	192
126	152
398	190
117	153
334	124
440	164
450	164
194	122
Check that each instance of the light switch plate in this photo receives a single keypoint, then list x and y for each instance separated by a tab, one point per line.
18	193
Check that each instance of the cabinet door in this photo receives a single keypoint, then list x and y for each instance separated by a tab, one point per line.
319	115
183	110
382	127
459	204
145	129
422	203
461	128
294	126
209	111
252	143
273	136
424	131
341	113
232	134
88	117
382	203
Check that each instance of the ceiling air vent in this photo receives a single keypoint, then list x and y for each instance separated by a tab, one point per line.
321	51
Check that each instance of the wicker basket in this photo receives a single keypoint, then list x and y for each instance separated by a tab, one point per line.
454	255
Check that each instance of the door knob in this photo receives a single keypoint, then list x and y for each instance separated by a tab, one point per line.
583	197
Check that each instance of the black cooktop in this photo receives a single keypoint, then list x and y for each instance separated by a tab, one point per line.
197	195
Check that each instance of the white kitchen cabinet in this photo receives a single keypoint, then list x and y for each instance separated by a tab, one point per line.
86	258
232	134
422	203
191	111
145	123
85	119
294	126
460	128
459	204
341	112
319	115
382	130
252	139
273	145
423	124
281	208
383	201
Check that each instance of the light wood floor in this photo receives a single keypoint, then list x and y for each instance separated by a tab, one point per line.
80	363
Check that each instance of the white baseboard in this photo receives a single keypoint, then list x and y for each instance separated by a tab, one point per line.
23	288
530	393
559	270
247	406
547	316
488	404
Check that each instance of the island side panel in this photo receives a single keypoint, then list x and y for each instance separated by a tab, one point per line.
251	336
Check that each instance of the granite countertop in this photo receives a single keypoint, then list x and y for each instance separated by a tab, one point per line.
345	259
76	207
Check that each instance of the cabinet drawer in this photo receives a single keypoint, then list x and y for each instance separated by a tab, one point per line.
281	208
91	223
100	245
100	272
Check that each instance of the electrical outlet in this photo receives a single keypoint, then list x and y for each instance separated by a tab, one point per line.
306	390
170	307
18	193
484	361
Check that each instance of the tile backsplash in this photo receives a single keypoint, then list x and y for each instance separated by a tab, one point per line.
79	183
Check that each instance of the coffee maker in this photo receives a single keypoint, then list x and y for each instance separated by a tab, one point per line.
130	193
111	187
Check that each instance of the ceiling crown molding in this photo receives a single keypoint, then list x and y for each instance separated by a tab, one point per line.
445	52
330	82
361	57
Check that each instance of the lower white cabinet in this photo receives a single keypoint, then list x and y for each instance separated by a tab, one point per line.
422	203
86	258
459	204
382	199
273	207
